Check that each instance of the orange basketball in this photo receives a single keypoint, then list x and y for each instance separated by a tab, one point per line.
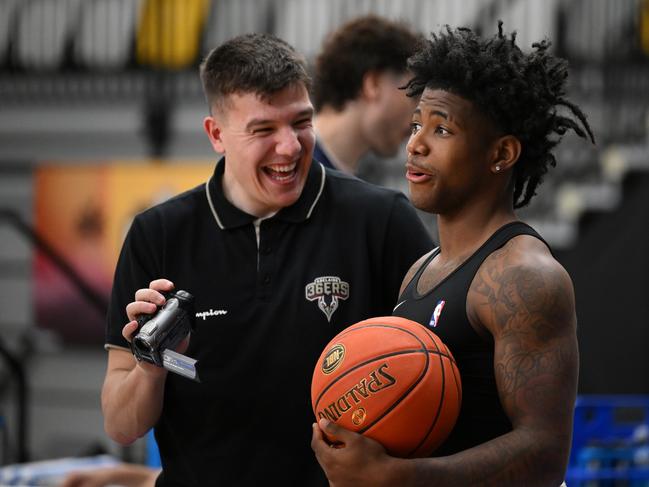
390	379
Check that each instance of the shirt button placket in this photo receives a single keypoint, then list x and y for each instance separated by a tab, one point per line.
265	278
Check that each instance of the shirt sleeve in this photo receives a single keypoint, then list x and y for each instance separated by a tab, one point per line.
137	266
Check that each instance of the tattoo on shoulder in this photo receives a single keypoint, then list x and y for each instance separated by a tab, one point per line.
521	298
530	312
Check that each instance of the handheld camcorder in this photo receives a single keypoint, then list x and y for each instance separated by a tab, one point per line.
159	334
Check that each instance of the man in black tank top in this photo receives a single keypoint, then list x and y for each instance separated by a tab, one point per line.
481	138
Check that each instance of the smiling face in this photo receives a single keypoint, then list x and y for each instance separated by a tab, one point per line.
268	145
450	153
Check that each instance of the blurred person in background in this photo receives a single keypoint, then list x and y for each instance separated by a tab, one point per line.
359	104
280	255
482	136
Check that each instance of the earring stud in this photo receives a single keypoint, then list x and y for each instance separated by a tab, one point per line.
497	168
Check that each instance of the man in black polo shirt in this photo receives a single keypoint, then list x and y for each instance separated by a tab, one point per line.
280	255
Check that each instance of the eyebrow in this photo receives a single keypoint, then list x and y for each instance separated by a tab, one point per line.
440	113
265	121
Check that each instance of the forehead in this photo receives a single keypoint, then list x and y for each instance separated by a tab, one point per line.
441	100
288	102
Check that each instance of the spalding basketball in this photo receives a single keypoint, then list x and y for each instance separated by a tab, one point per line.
390	379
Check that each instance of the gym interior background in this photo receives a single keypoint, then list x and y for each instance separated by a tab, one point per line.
100	116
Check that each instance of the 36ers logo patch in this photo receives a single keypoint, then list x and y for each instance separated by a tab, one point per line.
327	290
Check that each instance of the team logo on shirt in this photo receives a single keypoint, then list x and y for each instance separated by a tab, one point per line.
327	290
434	320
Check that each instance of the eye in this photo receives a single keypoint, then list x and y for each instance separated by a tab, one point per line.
414	128
262	131
441	130
303	123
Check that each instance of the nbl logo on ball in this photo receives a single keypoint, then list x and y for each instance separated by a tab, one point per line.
333	359
327	290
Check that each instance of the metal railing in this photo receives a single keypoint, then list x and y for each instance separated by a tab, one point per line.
16	362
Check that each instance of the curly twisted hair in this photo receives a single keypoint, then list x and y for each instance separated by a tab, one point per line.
367	43
519	92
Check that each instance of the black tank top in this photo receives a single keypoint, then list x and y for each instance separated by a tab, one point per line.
443	311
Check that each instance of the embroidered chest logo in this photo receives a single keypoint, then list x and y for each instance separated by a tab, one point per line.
327	290
434	320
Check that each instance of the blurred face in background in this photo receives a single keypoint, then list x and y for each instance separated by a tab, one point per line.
386	123
268	144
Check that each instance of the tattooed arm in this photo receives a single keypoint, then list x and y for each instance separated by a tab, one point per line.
525	299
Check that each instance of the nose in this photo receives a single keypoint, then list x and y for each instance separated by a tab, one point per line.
288	143
416	145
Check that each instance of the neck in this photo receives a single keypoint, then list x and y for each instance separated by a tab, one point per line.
341	135
463	233
238	197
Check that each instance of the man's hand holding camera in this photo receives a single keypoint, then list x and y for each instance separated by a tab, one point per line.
159	330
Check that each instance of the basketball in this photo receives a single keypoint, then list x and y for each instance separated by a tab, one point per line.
392	380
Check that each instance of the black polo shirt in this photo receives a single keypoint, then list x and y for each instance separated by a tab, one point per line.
264	314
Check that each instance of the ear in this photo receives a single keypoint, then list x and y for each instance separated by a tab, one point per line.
212	127
371	85
506	151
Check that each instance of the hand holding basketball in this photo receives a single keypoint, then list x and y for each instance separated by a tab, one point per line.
361	461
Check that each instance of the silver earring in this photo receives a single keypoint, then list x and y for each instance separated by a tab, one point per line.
497	168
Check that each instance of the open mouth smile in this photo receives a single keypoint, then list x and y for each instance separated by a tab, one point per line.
281	173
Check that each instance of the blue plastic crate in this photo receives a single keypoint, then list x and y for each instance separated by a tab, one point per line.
607	450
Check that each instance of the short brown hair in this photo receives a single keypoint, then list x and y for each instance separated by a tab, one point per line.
251	63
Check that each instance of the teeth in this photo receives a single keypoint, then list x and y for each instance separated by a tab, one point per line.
283	167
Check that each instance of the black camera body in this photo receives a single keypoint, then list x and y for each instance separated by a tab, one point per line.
164	329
